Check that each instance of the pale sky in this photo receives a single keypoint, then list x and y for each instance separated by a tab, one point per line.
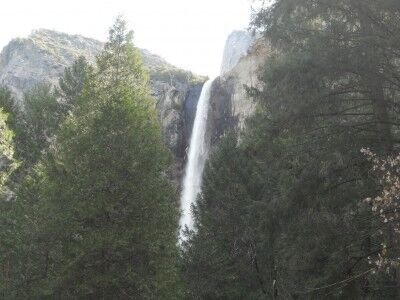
188	33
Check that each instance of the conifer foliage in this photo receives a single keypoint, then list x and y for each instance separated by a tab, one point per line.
99	218
299	229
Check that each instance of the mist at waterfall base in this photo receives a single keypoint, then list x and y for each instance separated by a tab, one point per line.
198	152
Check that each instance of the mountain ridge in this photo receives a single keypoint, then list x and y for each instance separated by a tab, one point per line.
43	55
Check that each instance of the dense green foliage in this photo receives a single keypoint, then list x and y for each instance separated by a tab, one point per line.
35	124
41	116
282	213
7	159
95	217
90	214
72	83
174	75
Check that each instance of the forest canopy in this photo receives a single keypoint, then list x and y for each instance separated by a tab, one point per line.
300	203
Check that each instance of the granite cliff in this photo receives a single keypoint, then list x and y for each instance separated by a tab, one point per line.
236	46
229	104
43	55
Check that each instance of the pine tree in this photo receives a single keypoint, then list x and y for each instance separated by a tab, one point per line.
72	82
7	165
7	159
219	261
112	215
330	88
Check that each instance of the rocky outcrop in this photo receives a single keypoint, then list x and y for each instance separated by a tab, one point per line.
236	46
44	54
42	57
230	104
176	108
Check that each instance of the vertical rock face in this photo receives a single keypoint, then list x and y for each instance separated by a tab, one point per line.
176	107
190	109
44	55
230	104
221	116
235	47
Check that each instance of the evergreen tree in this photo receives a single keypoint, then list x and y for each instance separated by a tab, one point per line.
72	82
7	159
111	225
330	89
7	103
41	116
218	258
7	165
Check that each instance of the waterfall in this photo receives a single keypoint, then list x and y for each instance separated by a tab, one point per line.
198	152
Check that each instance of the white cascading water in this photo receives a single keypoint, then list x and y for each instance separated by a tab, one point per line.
198	152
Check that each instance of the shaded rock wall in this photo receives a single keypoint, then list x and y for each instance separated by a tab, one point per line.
44	55
176	108
230	105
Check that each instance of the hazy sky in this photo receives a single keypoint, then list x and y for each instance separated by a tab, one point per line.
188	33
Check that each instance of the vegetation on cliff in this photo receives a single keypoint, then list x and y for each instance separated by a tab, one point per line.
303	203
282	214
